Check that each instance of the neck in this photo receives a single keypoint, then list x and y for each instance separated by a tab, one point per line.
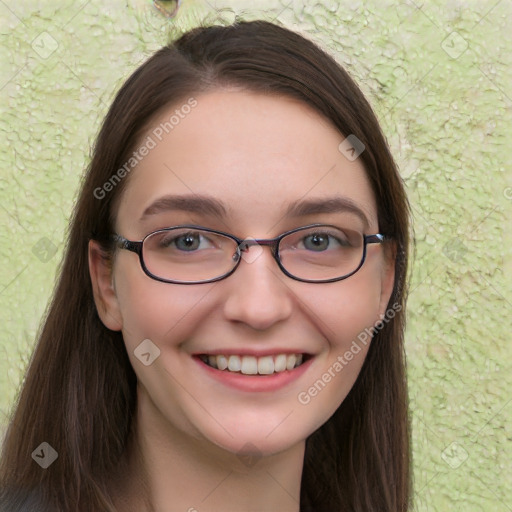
168	470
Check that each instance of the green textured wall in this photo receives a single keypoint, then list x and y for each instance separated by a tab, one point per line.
439	76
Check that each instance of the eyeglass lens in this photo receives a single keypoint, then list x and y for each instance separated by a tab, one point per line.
193	255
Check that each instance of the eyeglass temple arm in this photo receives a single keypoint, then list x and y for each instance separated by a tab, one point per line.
122	243
376	239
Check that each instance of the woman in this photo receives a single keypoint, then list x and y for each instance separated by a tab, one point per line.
227	330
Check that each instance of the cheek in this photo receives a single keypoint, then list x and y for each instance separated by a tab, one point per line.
348	307
345	313
153	310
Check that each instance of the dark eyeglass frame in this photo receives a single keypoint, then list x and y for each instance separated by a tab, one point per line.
242	245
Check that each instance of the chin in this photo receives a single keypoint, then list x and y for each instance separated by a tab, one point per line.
256	440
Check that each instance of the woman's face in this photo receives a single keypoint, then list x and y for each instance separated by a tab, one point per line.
257	155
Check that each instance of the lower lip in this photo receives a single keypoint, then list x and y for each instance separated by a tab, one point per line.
255	383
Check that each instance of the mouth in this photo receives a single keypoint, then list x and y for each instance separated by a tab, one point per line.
251	373
252	365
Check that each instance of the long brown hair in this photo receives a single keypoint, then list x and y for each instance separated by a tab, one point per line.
79	393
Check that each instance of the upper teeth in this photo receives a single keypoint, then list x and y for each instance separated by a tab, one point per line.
251	365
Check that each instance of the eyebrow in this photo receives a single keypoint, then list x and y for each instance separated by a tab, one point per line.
335	204
207	205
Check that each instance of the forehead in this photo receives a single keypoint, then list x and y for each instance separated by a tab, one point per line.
256	153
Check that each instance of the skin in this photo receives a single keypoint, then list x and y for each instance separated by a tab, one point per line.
256	153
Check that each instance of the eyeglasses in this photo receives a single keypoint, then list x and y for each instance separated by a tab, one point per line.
318	253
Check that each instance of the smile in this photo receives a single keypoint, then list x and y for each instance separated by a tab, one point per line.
251	365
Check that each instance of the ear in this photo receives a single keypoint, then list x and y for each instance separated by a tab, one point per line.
105	298
387	276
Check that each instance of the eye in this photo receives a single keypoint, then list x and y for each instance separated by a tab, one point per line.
188	242
322	241
316	242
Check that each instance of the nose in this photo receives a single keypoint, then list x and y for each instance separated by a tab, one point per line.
256	292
